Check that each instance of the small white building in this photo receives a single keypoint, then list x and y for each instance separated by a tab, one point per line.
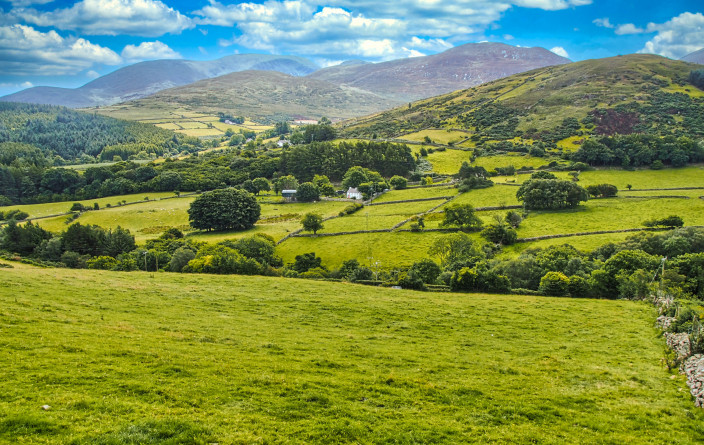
353	193
288	195
280	143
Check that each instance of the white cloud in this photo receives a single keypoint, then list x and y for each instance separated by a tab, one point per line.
149	51
677	37
628	28
27	84
343	28
92	74
23	3
604	23
551	5
508	37
26	51
149	18
560	51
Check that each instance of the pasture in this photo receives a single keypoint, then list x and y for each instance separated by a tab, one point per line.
123	358
396	249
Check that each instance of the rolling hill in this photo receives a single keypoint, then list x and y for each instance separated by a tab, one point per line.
645	93
457	68
695	57
145	78
267	95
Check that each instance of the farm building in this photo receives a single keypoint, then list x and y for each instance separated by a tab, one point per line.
353	193
288	195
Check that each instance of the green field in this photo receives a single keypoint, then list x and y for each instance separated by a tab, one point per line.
629	210
169	358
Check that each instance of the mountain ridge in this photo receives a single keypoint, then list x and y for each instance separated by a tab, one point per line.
457	68
145	78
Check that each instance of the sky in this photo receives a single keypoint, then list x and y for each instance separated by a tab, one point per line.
65	43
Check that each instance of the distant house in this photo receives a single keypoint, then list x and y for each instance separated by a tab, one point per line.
353	193
282	142
288	195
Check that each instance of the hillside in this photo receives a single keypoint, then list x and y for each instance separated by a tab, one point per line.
267	95
145	78
169	358
457	68
695	57
46	131
618	95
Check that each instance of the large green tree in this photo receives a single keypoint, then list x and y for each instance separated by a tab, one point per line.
224	209
550	194
462	216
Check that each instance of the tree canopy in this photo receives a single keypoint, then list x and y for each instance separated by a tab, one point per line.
224	209
550	194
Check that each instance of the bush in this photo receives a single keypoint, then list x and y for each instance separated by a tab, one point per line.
602	190
427	270
102	263
411	280
350	209
670	221
555	284
398	182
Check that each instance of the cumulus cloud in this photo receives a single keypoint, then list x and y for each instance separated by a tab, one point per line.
23	3
149	18
551	5
149	51
603	22
363	28
560	51
26	51
92	74
677	37
628	28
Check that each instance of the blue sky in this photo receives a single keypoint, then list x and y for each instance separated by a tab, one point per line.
64	43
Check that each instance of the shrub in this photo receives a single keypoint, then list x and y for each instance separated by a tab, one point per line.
411	280
350	209
555	284
578	287
102	263
427	270
361	274
670	221
602	190
398	182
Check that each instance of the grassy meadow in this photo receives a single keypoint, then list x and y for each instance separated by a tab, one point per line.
168	358
628	210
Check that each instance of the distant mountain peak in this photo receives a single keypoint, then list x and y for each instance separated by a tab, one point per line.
145	78
695	57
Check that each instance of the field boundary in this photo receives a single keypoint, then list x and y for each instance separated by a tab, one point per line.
600	232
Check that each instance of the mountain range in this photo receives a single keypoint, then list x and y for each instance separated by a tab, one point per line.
145	78
350	89
695	57
625	94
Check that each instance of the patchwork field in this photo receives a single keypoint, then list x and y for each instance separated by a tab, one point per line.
170	358
393	249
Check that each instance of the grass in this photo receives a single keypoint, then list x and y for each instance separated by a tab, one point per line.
169	358
278	219
416	193
448	162
517	160
611	214
437	136
53	208
390	249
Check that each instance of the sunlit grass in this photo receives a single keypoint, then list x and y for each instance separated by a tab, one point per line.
137	358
